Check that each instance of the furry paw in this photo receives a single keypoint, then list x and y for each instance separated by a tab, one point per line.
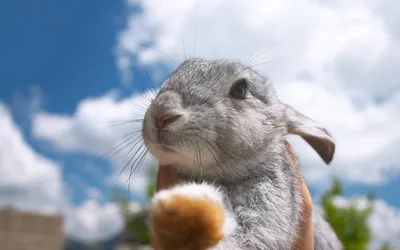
189	216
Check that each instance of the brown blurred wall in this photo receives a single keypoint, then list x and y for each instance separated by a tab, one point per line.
30	231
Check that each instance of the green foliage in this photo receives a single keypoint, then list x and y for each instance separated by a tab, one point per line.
151	189
136	224
137	227
386	246
350	223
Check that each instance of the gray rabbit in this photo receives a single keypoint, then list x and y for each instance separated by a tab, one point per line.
221	125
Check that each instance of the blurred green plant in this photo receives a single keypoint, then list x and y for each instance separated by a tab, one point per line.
136	228
151	188
349	222
386	246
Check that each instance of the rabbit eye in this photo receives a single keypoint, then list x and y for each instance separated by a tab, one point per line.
239	88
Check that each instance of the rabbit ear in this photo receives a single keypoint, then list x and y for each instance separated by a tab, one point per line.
312	132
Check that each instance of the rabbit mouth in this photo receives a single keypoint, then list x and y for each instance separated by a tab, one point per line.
163	149
166	148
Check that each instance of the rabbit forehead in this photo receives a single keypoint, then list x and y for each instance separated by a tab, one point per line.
215	75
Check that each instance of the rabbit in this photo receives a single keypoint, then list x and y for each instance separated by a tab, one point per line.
220	124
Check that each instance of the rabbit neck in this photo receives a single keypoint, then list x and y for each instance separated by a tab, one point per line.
270	163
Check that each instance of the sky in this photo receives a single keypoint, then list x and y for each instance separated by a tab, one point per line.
71	71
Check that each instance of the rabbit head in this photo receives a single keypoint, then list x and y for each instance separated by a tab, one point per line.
211	116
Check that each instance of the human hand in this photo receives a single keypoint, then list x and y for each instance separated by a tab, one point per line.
305	236
166	178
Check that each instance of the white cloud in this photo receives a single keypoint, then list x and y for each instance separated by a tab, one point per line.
384	220
27	179
31	182
305	35
96	128
94	194
92	221
366	138
331	60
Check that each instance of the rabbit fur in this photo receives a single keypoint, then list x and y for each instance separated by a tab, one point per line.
231	151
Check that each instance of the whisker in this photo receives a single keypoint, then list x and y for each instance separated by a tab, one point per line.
122	123
140	77
137	140
135	165
195	37
250	59
129	120
211	152
131	133
183	43
258	55
130	159
262	63
104	156
195	163
145	105
215	158
134	105
141	160
152	87
133	141
169	57
199	161
262	53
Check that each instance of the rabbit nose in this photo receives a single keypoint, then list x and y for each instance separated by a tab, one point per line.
168	118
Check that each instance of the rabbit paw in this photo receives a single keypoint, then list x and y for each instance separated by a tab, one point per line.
189	216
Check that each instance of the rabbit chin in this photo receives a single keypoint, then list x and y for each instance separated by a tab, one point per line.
166	155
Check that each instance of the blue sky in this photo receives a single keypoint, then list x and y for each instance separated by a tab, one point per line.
63	48
66	51
57	55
